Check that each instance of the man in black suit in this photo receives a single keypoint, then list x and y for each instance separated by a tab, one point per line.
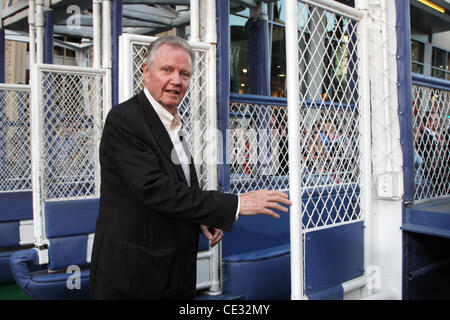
151	205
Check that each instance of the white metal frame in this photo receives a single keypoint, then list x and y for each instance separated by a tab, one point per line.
295	183
36	146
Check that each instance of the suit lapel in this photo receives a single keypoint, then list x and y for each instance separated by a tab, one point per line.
160	133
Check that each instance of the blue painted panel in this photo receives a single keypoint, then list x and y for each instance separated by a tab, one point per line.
267	277
258	232
63	252
203	243
9	234
16	206
333	256
72	217
432	218
5	272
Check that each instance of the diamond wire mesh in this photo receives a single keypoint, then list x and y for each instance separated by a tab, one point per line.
193	108
329	125
431	142
71	123
15	148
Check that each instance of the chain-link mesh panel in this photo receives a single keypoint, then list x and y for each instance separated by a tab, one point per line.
193	109
330	139
139	55
329	124
431	142
71	123
257	147
15	143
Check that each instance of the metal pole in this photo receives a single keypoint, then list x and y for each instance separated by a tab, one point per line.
97	29
365	133
195	19
116	32
223	84
294	151
48	37
106	55
40	31
212	153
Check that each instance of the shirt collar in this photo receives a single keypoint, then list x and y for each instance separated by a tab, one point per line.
170	122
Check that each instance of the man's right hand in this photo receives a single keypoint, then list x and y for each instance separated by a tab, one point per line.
262	201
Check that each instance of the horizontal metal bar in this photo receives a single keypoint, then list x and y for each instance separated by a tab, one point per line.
268	100
66	68
18	87
336	7
431	82
204	254
416	274
354	284
145	39
255	99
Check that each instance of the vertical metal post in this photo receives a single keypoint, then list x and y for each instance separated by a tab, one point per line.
296	236
2	55
48	37
106	55
403	26
116	32
195	19
36	158
223	84
195	94
96	10
212	153
32	35
365	134
3	117
39	31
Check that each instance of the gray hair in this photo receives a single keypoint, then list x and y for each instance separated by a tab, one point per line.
170	40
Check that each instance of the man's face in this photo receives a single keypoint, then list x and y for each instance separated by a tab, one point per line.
168	77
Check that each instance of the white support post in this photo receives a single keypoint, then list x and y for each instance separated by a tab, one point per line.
32	34
196	118
212	154
36	149
195	20
106	55
97	29
365	134
40	31
293	97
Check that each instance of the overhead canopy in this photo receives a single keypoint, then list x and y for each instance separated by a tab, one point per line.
138	16
429	20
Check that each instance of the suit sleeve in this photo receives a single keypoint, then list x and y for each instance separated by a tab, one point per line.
135	161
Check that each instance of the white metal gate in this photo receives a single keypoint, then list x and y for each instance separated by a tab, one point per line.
68	110
199	117
327	110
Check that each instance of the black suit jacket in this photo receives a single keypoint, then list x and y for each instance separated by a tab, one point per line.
146	238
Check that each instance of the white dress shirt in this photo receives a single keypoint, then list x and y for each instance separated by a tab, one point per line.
173	127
